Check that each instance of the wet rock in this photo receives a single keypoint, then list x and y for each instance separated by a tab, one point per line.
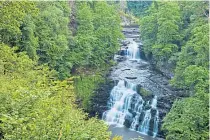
132	35
131	77
122	52
150	133
141	118
153	113
147	107
151	125
128	120
132	112
161	134
100	98
137	40
120	58
125	42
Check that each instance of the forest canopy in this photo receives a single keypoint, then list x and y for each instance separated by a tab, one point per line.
39	53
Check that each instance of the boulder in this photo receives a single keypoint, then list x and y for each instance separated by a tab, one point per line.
128	120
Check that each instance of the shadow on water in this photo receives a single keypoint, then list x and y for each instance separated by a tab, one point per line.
128	134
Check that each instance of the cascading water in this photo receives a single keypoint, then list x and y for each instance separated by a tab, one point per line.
133	52
156	118
144	128
119	103
126	103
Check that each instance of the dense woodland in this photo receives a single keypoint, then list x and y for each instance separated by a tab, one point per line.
53	53
39	54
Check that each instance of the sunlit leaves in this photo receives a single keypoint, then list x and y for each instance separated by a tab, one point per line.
188	119
34	105
12	14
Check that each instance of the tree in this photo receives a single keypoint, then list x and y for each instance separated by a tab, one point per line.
85	38
35	105
97	35
107	30
195	52
168	18
12	14
52	31
138	8
188	119
148	28
28	41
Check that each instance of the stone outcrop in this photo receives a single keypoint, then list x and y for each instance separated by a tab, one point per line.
100	98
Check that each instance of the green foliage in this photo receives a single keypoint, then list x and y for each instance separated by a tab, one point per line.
52	31
145	92
12	14
148	28
108	31
85	86
138	8
117	138
97	34
54	36
194	54
34	105
162	33
42	30
85	37
188	119
29	42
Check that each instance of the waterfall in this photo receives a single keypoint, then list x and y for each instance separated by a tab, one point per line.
144	128
154	102
126	104
119	103
156	120
133	52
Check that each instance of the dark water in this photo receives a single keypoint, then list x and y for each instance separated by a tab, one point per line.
128	134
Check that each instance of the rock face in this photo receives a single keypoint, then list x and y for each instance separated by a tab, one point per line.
100	98
162	67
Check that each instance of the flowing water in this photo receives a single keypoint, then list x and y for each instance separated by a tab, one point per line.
127	108
126	104
133	51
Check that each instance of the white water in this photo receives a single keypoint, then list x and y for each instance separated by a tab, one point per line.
120	101
156	120
144	128
154	102
124	103
133	52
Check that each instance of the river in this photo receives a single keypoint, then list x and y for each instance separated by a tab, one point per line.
135	105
